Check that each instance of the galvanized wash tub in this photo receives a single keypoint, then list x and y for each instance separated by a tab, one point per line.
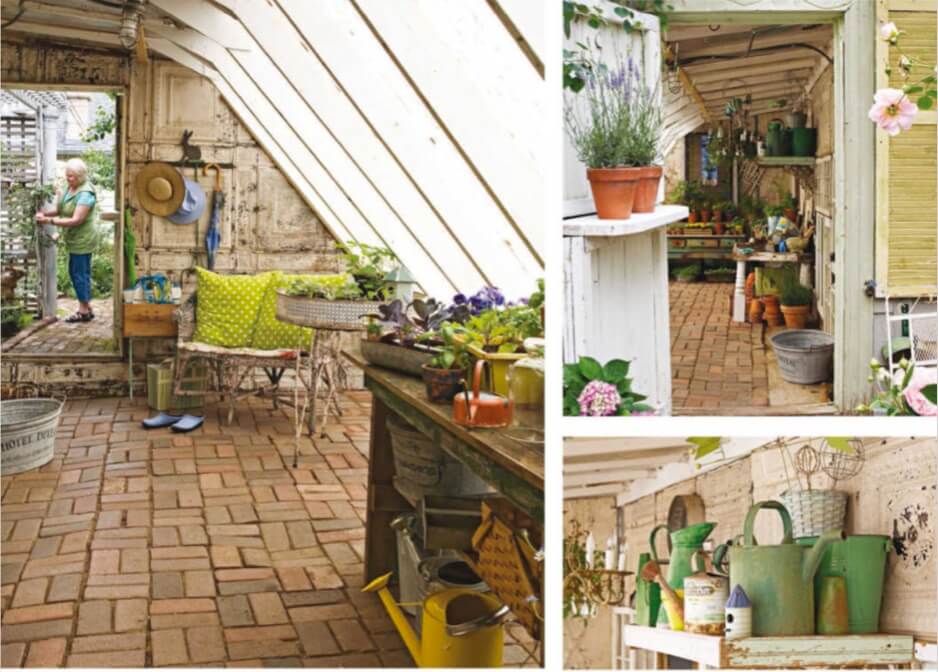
27	427
805	356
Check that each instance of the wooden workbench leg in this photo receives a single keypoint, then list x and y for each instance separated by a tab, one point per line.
380	543
739	294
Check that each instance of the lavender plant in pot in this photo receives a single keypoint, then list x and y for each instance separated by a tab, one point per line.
614	124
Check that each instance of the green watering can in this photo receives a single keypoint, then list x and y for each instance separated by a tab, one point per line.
684	543
779	580
861	560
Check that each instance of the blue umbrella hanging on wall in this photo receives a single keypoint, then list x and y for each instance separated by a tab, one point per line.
213	235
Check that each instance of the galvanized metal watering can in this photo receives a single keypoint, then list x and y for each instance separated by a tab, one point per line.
779	579
460	627
683	544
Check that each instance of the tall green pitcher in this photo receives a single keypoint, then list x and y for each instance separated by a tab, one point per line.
861	560
684	543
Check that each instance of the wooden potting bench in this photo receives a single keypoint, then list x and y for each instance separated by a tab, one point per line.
707	651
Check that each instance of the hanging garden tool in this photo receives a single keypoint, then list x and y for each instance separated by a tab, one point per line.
213	235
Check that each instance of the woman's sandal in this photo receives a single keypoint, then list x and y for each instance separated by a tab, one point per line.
80	317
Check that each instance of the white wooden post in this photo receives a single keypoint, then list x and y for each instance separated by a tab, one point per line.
47	254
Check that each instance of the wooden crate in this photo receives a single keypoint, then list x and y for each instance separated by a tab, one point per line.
149	320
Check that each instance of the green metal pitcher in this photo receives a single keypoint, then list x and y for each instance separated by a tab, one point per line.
684	543
861	560
779	579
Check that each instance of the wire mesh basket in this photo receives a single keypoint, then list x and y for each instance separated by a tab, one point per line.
814	512
338	315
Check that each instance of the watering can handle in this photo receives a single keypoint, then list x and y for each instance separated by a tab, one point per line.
477	377
700	562
651	541
719	558
749	539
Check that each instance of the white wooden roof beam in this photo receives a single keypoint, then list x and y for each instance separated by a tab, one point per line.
779	58
528	19
680	32
611	476
714	46
376	85
724	73
598	491
346	182
752	81
482	91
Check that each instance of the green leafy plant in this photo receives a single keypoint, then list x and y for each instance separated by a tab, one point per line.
502	329
590	388
331	287
103	125
536	300
689	272
368	265
22	202
101	169
452	353
793	293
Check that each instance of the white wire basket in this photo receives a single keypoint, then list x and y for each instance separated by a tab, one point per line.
814	512
337	315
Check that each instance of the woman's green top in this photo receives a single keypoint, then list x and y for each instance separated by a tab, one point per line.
80	239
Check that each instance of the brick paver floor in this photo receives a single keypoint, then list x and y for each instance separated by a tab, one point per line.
136	548
61	337
715	363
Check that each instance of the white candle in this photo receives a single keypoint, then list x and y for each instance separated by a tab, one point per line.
610	556
621	565
590	549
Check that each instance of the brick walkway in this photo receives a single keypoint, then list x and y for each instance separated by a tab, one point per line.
96	336
715	363
136	548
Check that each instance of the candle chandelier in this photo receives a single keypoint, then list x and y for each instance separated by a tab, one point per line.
592	577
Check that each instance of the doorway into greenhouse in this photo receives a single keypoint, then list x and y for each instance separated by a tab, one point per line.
43	131
755	107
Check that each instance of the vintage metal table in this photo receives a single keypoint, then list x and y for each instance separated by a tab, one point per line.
879	650
514	470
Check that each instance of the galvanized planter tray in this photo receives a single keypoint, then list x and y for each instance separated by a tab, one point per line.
338	315
396	357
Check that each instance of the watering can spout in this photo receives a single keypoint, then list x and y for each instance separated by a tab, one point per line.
380	586
813	558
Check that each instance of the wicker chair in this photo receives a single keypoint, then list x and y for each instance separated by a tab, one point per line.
232	368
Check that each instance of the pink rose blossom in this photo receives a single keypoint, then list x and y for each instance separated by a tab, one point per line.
913	393
598	399
888	31
893	111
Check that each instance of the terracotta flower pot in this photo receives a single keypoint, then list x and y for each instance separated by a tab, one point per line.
705	215
718	227
796	317
613	191
693	217
717	216
772	315
755	311
443	384
647	191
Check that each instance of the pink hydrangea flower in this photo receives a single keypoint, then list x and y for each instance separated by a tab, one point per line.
888	31
893	111
913	393
598	399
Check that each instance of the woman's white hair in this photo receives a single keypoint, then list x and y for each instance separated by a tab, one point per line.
78	167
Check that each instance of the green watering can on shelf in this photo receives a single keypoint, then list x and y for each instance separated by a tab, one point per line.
861	560
684	543
779	579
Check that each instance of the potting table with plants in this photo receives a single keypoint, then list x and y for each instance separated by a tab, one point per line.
739	294
699	246
514	470
815	651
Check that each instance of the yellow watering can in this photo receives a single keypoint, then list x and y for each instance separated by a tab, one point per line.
461	628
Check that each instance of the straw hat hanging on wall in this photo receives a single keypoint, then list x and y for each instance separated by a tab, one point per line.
160	189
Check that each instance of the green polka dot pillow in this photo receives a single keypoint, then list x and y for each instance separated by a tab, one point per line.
271	333
227	307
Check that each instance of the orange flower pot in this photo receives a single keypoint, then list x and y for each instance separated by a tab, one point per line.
647	191
772	315
796	317
613	191
755	311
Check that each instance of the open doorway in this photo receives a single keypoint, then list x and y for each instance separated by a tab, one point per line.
45	133
756	175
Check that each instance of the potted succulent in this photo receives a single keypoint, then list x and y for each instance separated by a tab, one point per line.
795	301
615	134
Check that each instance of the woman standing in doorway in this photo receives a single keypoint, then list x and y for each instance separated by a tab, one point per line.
76	211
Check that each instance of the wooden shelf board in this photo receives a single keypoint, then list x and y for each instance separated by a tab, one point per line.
775	652
593	226
707	235
776	161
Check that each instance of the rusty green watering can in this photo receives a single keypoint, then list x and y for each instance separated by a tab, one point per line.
779	579
683	544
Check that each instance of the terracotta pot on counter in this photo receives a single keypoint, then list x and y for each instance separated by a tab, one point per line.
772	315
613	191
796	317
647	192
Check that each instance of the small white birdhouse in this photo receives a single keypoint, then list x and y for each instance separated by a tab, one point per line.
401	284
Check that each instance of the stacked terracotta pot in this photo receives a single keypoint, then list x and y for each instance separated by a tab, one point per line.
618	192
